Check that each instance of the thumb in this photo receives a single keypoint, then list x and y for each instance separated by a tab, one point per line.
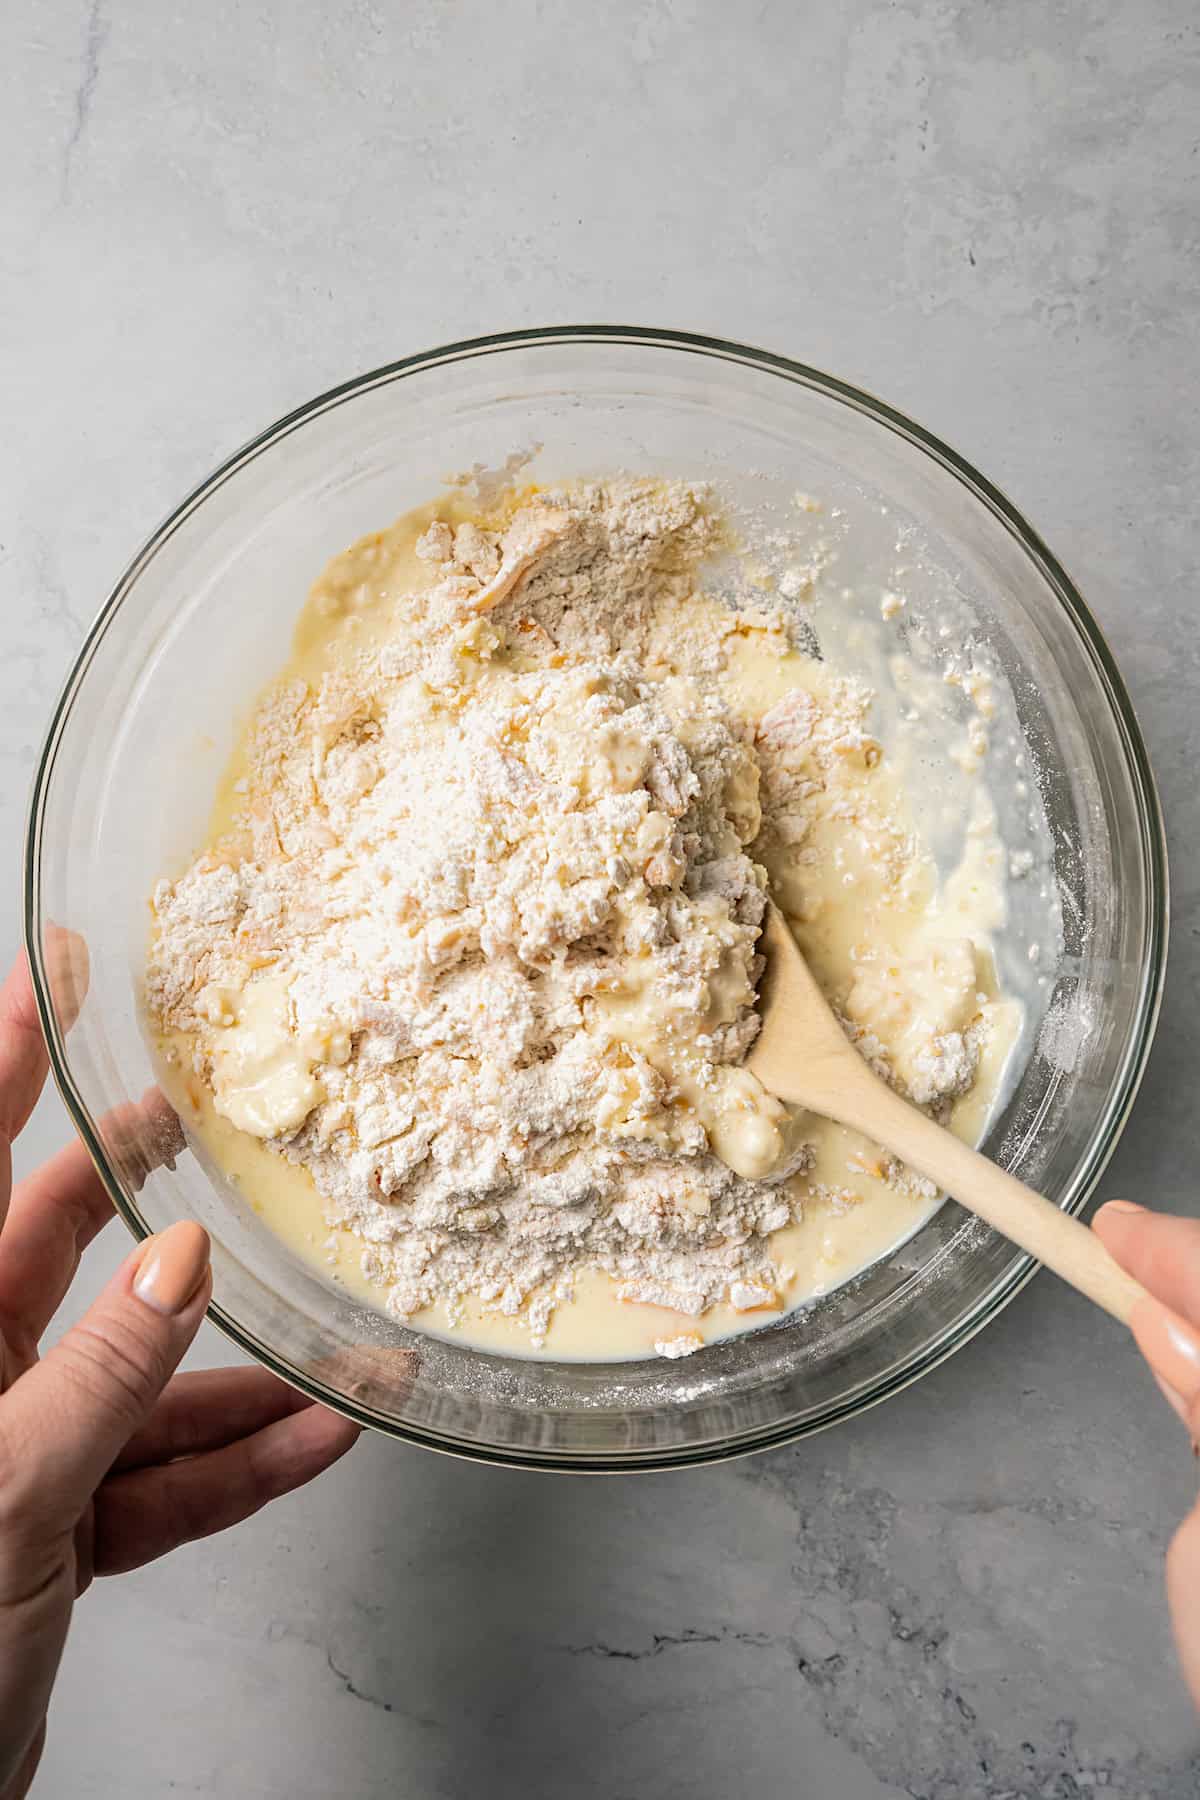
65	1420
1183	1586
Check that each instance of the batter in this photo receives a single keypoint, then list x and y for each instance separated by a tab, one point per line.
459	992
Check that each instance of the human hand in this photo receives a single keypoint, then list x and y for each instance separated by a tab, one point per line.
1163	1253
105	1461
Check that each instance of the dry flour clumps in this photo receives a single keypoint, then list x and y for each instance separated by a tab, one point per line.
481	954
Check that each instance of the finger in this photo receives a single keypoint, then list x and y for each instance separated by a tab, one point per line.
22	1781
23	1060
374	1375
144	1513
66	968
1173	1397
64	1422
23	1065
1163	1253
1159	1250
53	1217
57	1211
1183	1592
206	1411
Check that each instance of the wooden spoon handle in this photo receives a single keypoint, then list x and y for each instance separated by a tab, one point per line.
1030	1220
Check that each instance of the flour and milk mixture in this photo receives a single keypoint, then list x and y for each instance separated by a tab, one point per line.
460	990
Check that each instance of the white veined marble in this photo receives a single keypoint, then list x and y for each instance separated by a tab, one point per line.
986	214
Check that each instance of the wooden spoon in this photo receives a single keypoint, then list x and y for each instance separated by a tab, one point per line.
802	1055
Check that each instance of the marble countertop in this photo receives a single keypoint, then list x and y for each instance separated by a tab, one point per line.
989	216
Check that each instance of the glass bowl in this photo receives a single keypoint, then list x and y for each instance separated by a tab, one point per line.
201	618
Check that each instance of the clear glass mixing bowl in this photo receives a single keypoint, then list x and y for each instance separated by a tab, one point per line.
200	620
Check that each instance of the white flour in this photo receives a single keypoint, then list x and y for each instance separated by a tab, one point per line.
481	955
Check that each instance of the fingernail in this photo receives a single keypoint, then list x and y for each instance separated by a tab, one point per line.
172	1267
1122	1206
1170	1346
1172	1396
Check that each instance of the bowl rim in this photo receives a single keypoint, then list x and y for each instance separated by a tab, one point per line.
1092	641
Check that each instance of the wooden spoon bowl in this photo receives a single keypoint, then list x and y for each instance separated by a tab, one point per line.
803	1056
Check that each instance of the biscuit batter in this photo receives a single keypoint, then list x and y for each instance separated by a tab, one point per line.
459	993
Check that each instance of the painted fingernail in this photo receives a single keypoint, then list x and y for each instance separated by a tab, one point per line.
1172	1396
172	1267
1170	1346
1122	1206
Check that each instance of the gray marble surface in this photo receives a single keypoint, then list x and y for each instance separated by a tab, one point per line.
988	214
